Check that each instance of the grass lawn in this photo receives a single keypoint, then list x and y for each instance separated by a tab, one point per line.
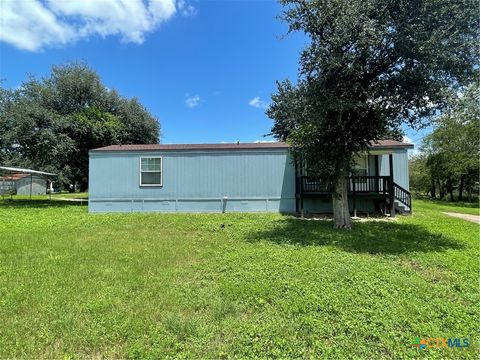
55	196
263	285
67	195
460	207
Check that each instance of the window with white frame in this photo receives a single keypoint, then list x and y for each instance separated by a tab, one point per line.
151	171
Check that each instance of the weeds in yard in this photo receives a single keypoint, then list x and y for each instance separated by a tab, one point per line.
262	285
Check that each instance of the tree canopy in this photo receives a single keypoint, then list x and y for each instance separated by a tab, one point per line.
52	123
370	66
450	154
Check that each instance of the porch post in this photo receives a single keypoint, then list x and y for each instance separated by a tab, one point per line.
354	197
302	213
391	187
377	184
297	188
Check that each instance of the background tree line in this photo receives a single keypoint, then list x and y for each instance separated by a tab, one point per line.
448	162
51	123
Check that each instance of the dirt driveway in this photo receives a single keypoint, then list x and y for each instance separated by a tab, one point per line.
468	217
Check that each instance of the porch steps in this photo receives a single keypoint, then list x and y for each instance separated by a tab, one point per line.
402	208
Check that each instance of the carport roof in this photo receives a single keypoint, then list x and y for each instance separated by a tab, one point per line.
25	171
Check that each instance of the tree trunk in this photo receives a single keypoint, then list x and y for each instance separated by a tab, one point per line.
83	186
432	190
442	190
460	188
450	190
341	213
449	187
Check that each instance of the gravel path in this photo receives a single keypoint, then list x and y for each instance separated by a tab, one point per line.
468	217
81	201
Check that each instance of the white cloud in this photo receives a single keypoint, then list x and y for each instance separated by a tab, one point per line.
192	101
265	141
34	24
186	9
258	103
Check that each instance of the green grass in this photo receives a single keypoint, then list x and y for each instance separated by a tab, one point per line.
68	195
263	285
56	196
457	206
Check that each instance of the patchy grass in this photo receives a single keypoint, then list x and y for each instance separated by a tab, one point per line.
262	285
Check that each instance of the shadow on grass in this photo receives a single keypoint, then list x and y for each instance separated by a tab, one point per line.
366	237
35	204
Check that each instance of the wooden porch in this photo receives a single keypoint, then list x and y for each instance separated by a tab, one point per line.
387	195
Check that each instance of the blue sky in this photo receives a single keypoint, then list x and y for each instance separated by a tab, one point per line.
206	69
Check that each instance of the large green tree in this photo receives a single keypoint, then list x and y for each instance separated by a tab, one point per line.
370	66
52	123
421	180
452	150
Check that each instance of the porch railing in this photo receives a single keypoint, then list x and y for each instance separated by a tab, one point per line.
365	186
368	184
313	185
356	184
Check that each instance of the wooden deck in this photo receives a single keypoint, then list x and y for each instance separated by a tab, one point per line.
366	187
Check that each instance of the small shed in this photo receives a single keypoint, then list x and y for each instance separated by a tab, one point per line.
23	181
22	184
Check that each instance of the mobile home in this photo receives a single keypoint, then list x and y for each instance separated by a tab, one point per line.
247	177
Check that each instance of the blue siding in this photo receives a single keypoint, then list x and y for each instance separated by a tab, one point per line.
213	181
260	180
400	167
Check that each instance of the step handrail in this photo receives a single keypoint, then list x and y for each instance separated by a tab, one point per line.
403	195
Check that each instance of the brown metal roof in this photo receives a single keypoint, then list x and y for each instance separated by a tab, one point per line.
389	144
226	146
381	144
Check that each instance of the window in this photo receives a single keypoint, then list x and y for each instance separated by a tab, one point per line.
151	171
361	166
